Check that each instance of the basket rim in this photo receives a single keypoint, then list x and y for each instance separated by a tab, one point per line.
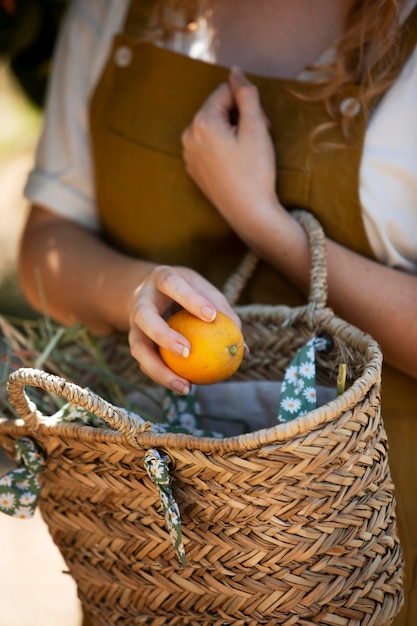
256	439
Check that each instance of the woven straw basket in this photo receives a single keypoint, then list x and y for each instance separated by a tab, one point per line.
291	525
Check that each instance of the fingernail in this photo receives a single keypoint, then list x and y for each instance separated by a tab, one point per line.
246	349
180	388
208	313
182	350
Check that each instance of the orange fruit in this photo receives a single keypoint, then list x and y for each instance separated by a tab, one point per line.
216	348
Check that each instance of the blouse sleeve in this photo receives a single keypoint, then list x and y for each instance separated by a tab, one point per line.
62	177
388	177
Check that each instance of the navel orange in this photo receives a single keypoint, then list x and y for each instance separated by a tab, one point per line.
216	348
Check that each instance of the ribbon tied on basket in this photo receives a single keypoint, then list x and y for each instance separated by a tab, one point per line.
20	488
298	390
157	466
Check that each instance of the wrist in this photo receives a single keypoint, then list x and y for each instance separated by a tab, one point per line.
280	240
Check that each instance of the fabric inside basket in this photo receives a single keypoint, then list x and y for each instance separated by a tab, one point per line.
232	408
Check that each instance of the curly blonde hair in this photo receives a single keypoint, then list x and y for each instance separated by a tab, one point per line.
367	55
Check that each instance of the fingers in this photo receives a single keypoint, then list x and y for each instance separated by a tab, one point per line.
219	102
214	116
165	286
144	351
246	96
174	284
148	320
232	104
148	331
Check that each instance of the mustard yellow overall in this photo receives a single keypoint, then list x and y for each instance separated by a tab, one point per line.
151	209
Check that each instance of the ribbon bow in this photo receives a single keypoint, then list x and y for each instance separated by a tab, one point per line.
20	488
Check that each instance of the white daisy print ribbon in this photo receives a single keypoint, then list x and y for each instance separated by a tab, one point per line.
157	466
298	390
182	414
20	488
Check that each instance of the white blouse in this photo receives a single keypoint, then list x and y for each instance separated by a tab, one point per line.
62	177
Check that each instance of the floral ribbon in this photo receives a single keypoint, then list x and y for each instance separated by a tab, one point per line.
182	414
298	389
157	466
20	488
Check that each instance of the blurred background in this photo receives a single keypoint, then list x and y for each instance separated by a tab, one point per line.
34	588
20	122
28	30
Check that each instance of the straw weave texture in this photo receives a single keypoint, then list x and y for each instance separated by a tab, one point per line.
291	525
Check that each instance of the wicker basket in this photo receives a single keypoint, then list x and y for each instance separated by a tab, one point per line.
291	525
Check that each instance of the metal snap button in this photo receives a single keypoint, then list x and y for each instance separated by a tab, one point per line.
123	56
350	107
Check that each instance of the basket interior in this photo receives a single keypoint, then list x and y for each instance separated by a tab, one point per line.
273	345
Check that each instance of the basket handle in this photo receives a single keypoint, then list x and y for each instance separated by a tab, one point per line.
318	268
116	418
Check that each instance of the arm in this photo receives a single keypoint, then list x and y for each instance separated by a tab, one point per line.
78	277
234	167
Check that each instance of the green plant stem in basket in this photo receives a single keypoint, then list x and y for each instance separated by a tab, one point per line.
51	345
69	352
341	379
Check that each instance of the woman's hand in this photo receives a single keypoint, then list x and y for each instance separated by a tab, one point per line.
233	163
155	299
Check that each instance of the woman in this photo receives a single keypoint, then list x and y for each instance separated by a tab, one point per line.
322	117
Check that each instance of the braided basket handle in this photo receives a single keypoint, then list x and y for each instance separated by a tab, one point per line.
26	409
318	269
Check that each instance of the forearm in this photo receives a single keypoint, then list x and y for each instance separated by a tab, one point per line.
72	275
379	300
